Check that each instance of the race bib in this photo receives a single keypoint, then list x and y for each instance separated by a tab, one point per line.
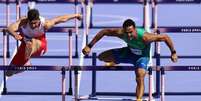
136	51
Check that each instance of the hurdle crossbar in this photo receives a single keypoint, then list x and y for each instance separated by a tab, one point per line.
118	1
105	68
32	68
182	68
41	1
180	29
178	1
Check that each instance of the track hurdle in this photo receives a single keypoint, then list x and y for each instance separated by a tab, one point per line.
38	68
5	91
104	68
176	68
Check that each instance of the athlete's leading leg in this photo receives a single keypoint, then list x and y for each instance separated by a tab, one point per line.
19	59
140	75
25	51
107	57
140	72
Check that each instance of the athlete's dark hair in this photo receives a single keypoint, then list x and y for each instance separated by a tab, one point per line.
33	14
128	23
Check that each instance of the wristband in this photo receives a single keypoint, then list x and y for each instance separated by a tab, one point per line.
174	52
89	45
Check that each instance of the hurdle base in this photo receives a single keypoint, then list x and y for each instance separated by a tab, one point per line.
120	94
94	96
183	93
103	98
4	91
70	91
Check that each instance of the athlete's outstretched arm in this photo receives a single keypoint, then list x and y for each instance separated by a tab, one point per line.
13	28
116	32
61	19
149	37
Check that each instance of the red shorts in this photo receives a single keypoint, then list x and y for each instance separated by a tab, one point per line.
19	58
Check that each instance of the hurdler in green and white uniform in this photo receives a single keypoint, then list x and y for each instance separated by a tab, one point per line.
136	52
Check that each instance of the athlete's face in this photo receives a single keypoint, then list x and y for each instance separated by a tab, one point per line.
34	24
130	30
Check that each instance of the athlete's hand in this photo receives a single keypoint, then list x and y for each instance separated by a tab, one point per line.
86	50
78	16
174	57
18	37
